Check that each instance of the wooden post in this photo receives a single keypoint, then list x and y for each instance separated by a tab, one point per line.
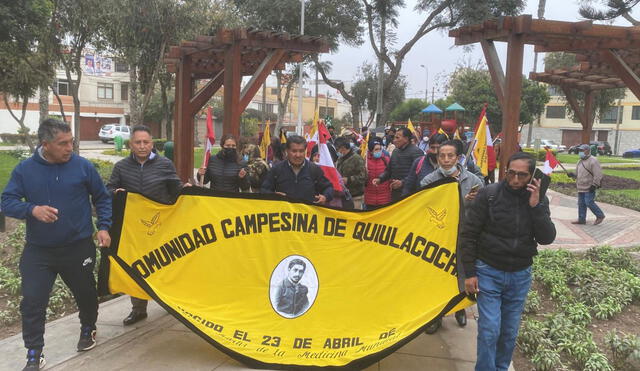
512	95
184	130
588	114
232	80
495	69
622	69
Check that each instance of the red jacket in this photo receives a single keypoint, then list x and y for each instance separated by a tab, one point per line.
380	195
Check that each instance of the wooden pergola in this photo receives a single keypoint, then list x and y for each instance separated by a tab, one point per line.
224	59
611	52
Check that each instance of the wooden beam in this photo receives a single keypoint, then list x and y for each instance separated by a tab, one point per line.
573	102
495	69
259	77
184	131
622	69
204	94
232	80
588	115
512	96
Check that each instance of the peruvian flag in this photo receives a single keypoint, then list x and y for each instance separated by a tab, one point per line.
550	162
326	163
210	139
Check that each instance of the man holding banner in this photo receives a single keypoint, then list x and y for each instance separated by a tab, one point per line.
151	175
499	238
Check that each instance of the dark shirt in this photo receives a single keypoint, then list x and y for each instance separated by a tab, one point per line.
291	298
309	182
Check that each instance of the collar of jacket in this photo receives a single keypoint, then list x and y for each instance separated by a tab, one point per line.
304	164
38	156
152	155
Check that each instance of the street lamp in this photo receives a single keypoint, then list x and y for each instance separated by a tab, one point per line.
426	84
300	130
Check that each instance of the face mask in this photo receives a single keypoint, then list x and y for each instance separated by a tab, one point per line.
448	172
352	145
245	157
377	154
582	155
229	153
339	154
425	139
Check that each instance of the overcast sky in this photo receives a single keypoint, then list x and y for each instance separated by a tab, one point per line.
437	50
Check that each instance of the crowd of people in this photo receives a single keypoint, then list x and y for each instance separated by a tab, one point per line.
503	223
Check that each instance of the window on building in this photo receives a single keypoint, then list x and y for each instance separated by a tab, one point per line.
124	91
271	108
554	91
326	111
105	91
610	116
274	91
61	87
121	66
635	113
556	112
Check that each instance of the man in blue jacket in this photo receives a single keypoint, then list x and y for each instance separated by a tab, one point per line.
53	190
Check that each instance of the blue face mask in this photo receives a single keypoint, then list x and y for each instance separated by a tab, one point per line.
245	157
582	155
377	154
339	154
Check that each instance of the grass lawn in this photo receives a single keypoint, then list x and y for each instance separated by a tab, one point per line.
7	163
630	174
629	193
566	158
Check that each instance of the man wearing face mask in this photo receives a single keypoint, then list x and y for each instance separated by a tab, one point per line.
225	171
588	177
424	143
353	171
423	166
401	160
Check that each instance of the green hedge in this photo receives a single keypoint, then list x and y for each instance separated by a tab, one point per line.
542	154
16	138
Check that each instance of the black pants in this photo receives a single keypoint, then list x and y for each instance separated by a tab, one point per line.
39	267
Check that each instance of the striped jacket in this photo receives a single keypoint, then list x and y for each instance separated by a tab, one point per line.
155	179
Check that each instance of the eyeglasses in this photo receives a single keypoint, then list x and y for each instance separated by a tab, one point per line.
519	174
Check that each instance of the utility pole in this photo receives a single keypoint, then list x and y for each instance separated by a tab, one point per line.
433	94
315	104
616	143
379	100
426	84
541	7
301	72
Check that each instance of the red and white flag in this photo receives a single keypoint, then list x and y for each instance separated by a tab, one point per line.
326	162
550	162
210	139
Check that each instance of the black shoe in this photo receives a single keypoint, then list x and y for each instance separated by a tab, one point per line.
134	317
461	318
87	339
433	327
35	360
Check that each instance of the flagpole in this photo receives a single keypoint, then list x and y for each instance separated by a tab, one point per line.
475	135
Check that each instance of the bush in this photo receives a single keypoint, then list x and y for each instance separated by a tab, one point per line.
542	154
159	144
16	138
105	168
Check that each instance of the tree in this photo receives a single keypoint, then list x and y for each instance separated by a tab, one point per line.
471	87
603	99
364	91
615	9
440	15
409	109
338	21
289	79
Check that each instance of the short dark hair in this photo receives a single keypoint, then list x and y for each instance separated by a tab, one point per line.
523	156
49	128
373	141
141	128
342	142
405	132
295	139
453	144
439	139
298	262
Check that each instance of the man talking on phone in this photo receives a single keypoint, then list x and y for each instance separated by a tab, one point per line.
500	234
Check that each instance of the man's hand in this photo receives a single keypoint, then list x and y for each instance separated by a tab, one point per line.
187	184
592	188
242	173
202	170
471	195
396	183
45	214
345	180
104	240
280	193
119	190
320	200
375	182
471	285
534	188
571	175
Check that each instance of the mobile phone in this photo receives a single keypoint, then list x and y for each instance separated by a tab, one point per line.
475	188
544	179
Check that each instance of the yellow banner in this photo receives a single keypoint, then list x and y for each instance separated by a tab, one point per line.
480	151
277	283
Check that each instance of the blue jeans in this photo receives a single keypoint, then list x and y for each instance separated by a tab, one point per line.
587	199
500	304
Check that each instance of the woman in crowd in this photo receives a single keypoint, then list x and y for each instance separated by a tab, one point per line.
257	168
377	161
226	171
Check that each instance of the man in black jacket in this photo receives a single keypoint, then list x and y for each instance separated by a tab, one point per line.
297	177
499	239
151	175
401	160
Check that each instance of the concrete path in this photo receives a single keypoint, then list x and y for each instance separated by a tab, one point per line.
162	343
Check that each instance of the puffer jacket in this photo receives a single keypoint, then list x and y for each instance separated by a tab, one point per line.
502	230
351	166
223	174
380	195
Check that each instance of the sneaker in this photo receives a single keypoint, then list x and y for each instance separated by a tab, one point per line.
35	360
598	221
433	327
578	222
87	339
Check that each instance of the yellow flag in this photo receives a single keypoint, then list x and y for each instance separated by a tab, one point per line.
456	135
279	284
266	140
411	128
363	146
283	137
314	125
480	154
